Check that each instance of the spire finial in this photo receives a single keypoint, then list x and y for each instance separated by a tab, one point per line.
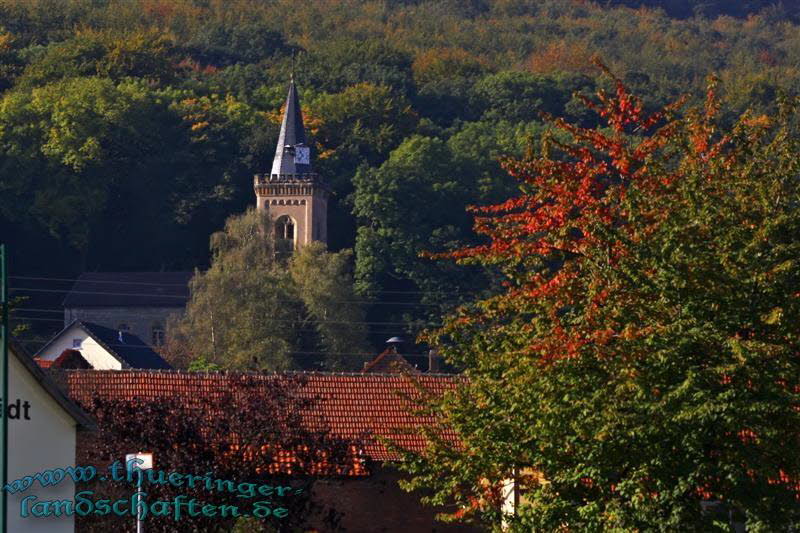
291	75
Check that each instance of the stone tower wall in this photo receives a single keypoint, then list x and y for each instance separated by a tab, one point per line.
305	201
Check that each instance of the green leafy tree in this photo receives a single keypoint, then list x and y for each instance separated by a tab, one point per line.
522	96
642	357
332	311
142	54
59	140
415	202
11	65
444	78
220	44
254	310
337	64
100	165
405	203
362	123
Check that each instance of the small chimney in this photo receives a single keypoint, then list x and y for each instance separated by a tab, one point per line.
433	361
394	344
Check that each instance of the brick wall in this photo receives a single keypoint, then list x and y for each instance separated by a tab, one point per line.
377	504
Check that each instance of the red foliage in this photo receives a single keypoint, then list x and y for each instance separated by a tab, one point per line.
570	204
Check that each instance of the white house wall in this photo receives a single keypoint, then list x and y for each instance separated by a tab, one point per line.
46	441
95	355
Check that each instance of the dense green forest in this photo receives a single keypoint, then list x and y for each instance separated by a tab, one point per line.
130	129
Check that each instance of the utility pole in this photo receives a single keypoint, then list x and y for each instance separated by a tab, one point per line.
4	368
138	463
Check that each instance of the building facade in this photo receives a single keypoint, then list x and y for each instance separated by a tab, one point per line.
42	430
293	194
139	303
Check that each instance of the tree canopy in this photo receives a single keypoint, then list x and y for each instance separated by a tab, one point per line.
253	309
642	355
130	129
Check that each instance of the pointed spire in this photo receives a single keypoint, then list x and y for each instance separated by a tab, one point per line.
292	155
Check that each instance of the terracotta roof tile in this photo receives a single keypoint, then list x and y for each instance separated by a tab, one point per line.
352	406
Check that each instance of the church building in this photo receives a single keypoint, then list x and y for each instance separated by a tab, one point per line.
292	193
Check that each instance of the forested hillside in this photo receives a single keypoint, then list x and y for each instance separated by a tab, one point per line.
130	129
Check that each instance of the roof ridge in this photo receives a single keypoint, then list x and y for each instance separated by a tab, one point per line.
257	373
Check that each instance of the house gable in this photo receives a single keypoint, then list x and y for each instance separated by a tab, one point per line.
74	337
103	348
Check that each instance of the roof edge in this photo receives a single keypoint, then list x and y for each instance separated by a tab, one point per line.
83	420
88	331
271	373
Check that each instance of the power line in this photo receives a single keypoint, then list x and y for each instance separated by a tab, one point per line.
101	293
24	340
290	321
185	298
155	284
354	325
101	281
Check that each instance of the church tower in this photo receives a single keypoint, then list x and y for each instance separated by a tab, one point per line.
292	193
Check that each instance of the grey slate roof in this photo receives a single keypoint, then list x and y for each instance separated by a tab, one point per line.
292	134
125	347
129	289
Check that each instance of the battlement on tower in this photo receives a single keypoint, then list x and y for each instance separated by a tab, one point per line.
289	185
309	177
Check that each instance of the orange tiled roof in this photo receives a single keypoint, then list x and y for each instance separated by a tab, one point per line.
351	406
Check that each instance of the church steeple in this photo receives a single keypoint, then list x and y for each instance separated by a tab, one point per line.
292	155
294	195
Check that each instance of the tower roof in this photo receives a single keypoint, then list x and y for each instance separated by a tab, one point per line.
292	155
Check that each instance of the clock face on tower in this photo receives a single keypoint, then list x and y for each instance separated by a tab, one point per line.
302	155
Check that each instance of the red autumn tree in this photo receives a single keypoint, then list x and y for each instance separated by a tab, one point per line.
644	354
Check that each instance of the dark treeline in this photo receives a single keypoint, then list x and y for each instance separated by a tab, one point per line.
130	129
715	8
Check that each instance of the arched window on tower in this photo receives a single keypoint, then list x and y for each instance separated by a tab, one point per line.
284	234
